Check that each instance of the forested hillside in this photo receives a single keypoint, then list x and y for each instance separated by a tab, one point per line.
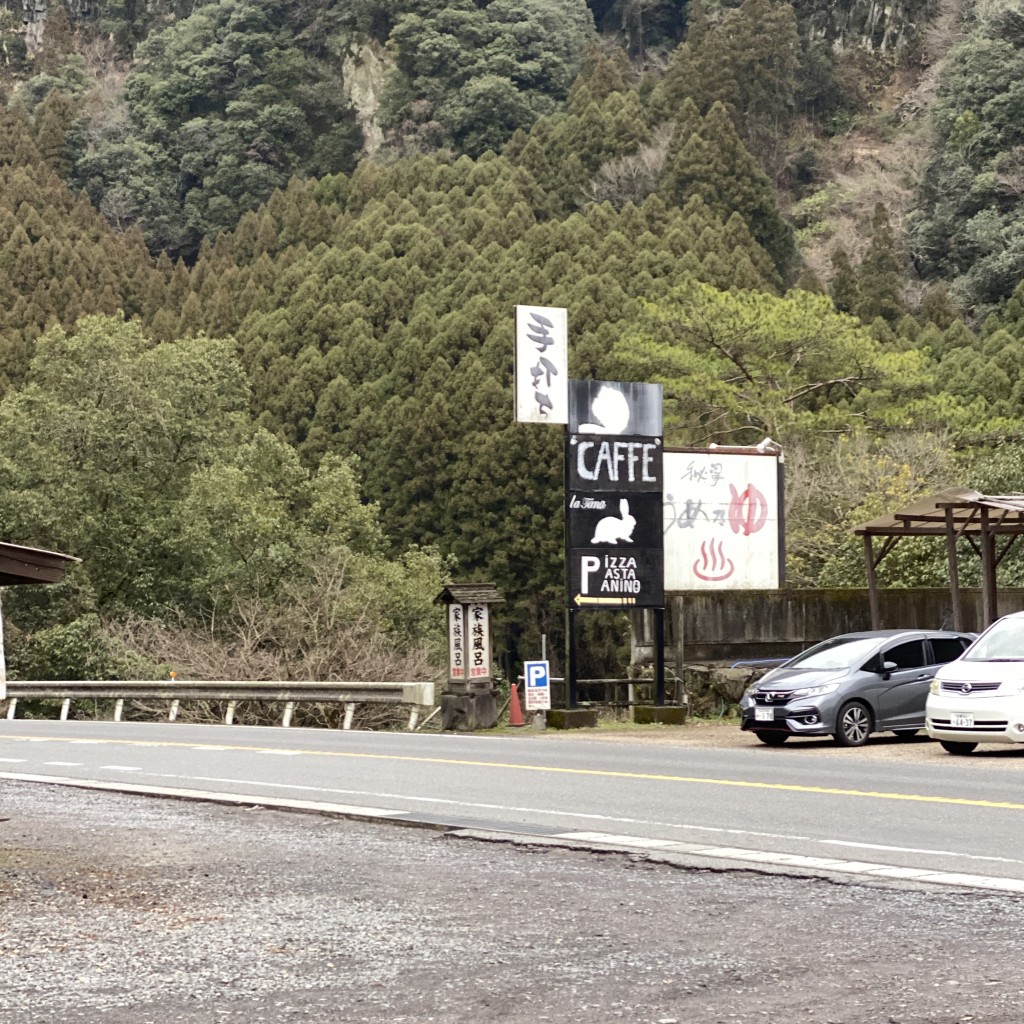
258	264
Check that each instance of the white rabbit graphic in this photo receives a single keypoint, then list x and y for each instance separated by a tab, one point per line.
611	530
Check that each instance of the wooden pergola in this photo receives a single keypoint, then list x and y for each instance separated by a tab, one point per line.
991	523
20	565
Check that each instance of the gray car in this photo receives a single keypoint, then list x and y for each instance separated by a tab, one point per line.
851	686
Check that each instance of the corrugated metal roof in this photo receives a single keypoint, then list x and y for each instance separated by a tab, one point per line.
31	565
966	508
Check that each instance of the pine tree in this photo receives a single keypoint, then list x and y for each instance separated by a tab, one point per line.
879	275
843	286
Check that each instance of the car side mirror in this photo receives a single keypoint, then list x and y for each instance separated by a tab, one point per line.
888	667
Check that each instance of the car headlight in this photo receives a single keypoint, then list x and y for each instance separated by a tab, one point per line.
814	691
934	686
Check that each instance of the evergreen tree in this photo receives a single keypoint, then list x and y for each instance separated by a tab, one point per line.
879	275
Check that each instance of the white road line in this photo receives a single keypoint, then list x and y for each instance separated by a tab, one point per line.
63	764
750	858
12	760
118	768
507	809
914	849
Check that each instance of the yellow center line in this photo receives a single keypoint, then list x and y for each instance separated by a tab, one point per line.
550	769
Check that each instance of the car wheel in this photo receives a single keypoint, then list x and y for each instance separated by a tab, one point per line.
952	747
773	739
906	734
853	725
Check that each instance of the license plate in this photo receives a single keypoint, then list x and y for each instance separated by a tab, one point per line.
767	714
962	721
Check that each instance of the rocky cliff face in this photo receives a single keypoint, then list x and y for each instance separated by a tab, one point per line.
363	72
877	25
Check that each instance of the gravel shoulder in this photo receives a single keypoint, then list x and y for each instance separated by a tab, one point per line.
129	910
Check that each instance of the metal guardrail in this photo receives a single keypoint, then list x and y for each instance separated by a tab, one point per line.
614	692
419	695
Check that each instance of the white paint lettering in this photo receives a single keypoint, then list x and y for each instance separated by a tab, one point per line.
617	460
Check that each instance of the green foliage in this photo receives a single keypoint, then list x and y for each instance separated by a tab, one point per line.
213	488
225	107
747	61
79	649
482	70
739	366
711	163
142	460
967	223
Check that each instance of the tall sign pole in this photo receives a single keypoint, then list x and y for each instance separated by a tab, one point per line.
541	378
613	480
614	507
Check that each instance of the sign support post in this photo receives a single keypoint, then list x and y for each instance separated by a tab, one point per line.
614	509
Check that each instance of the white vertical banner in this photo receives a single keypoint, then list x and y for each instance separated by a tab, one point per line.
542	364
722	520
456	642
478	630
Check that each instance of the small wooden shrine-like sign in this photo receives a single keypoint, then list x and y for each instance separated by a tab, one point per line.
468	701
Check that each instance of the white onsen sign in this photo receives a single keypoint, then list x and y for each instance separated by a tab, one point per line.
542	364
723	528
456	642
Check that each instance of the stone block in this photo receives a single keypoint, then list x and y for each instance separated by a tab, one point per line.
649	714
572	718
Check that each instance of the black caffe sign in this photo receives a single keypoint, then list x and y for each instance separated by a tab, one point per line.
613	501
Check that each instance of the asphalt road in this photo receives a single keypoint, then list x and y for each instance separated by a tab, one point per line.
119	909
906	806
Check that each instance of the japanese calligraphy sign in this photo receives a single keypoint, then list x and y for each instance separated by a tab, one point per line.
456	642
478	641
613	466
722	520
542	365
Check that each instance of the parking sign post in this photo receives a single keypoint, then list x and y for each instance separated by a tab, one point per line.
537	675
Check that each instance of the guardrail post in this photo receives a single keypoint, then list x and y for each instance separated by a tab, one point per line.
65	706
286	719
12	706
229	715
413	718
173	713
350	710
118	709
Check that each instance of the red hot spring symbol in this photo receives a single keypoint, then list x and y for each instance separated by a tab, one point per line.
748	510
713	565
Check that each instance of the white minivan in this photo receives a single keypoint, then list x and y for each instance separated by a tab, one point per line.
979	697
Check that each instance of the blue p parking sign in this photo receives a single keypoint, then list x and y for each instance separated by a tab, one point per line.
538	685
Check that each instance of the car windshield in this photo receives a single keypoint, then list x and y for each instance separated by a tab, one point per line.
843	652
1003	642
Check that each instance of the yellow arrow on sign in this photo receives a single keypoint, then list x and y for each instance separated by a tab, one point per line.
580	599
